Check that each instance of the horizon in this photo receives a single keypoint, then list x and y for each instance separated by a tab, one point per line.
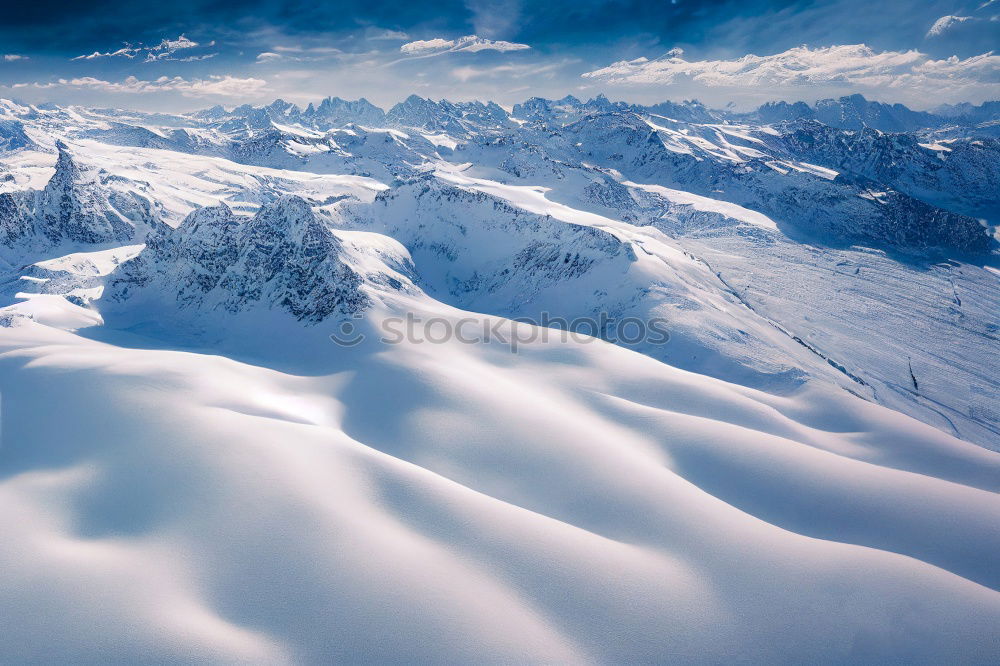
302	107
195	53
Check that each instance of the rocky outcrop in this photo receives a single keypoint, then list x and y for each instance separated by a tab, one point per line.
77	208
282	258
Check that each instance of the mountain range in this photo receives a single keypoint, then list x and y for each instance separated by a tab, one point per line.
222	442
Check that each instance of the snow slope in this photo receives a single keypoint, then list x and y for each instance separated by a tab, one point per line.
573	503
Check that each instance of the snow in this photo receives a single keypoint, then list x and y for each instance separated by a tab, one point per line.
709	205
442	140
203	508
98	262
181	182
805	167
192	470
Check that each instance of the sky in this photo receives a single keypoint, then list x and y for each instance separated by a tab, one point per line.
189	54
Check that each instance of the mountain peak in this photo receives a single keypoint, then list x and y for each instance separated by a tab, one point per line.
284	257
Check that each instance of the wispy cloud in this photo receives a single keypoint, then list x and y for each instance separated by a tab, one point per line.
385	34
220	85
848	65
165	50
465	74
469	43
11	57
298	54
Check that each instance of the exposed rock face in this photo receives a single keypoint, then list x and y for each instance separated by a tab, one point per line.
76	209
13	137
853	202
336	112
455	117
73	207
284	257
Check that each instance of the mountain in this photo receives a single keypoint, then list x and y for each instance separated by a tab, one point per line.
335	112
824	202
854	112
569	109
284	257
79	206
971	113
447	116
12	136
955	175
589	381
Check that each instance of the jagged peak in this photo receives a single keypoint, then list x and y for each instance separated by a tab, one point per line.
68	172
290	206
214	218
283	257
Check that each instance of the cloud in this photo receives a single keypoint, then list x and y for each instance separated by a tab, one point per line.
11	57
845	65
385	34
983	68
465	74
165	50
298	54
315	49
422	46
469	43
947	23
220	85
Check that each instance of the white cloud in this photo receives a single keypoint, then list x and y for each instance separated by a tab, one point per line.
126	52
981	68
223	86
470	43
165	50
298	54
11	57
845	65
422	46
946	23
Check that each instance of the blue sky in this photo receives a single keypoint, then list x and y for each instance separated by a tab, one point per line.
188	54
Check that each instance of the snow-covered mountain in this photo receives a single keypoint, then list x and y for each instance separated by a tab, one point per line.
283	256
854	112
79	206
287	384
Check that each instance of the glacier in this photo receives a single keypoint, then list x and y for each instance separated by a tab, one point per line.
192	469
